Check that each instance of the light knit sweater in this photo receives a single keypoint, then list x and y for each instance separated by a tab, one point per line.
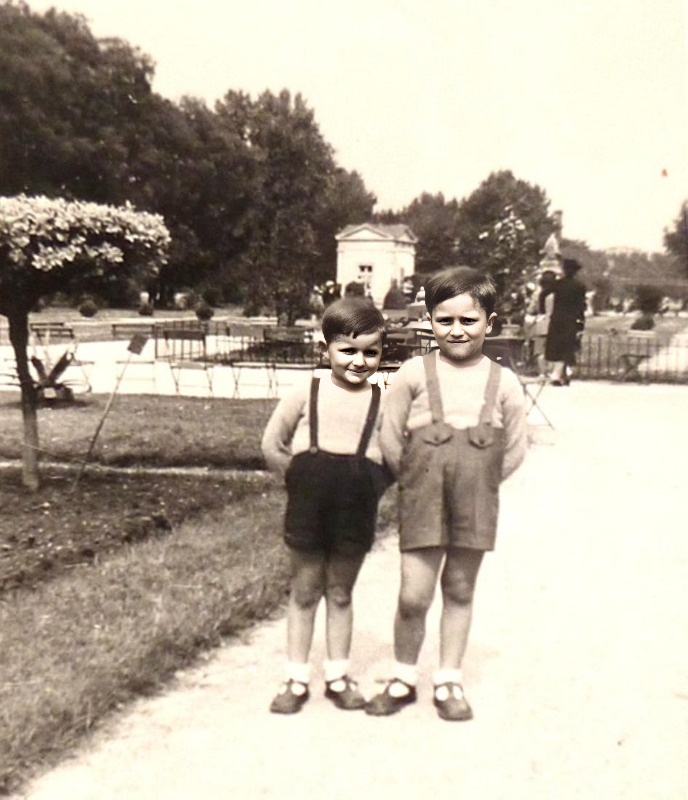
341	416
407	407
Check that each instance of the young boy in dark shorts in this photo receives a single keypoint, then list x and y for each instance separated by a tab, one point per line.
325	441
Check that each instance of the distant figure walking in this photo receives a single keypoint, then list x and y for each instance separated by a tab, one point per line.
566	323
539	313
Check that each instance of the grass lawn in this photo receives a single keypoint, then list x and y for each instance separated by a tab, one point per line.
109	587
144	429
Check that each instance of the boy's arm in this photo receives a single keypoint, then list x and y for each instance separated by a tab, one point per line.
279	432
395	413
515	425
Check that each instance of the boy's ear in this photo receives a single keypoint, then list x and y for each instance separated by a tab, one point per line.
490	320
323	350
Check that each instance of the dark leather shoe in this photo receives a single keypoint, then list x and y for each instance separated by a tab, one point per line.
454	707
290	698
384	704
348	698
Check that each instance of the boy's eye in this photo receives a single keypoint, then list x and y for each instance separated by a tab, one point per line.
372	353
468	320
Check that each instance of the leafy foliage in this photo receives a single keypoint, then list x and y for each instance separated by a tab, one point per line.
248	186
502	227
56	245
48	245
434	221
676	238
294	169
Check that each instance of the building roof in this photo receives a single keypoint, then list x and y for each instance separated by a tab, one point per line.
378	231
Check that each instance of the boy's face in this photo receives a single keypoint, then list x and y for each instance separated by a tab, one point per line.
460	326
354	359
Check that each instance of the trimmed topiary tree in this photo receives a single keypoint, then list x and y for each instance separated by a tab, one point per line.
54	245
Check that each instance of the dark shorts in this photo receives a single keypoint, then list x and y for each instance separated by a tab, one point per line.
332	503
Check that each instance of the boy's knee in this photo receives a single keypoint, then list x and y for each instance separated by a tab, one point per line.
459	593
306	597
338	595
412	605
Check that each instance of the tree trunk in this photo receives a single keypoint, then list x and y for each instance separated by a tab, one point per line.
19	337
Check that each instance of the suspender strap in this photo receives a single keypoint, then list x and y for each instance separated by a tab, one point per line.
313	414
490	393
367	427
370	422
433	385
435	397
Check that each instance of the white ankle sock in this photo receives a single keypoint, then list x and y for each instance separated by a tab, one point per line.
408	673
335	669
447	675
301	673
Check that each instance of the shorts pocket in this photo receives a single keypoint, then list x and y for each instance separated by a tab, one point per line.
438	433
481	436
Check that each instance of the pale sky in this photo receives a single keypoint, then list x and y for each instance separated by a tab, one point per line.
588	99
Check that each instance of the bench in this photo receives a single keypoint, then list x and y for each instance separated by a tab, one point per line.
125	330
45	332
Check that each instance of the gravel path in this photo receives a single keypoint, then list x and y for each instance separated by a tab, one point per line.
577	668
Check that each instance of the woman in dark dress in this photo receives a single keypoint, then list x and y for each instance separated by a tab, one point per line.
566	322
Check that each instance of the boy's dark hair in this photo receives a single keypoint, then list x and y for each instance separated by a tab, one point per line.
351	316
461	280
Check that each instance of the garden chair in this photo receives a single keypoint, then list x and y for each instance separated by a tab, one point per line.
245	351
399	347
185	348
532	385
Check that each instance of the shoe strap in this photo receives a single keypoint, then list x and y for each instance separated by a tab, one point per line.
452	688
398	681
349	683
288	686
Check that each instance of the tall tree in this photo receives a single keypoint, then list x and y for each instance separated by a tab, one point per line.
676	238
55	245
502	227
435	222
294	169
67	102
78	119
347	202
195	170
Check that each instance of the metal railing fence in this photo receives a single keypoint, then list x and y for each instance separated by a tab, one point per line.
641	356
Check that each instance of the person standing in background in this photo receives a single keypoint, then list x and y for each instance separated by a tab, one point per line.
566	323
538	316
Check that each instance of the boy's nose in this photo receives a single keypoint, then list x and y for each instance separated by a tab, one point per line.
457	329
359	360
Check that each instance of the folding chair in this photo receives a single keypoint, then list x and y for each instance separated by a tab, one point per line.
532	385
399	347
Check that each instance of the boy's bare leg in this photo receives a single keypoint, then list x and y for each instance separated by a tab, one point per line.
340	578
419	569
308	570
458	585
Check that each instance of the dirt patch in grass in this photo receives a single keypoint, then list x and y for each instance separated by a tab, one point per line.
45	533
